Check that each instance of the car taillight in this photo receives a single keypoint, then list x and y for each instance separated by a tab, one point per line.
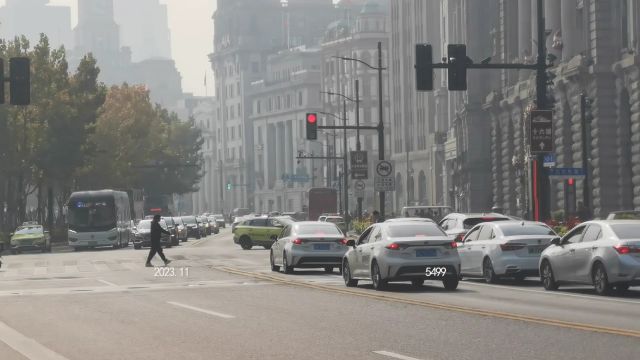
623	250
512	247
453	245
393	246
344	241
297	242
459	237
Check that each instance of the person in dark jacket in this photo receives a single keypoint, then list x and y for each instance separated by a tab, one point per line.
156	247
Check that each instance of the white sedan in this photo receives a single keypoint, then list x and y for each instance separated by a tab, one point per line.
402	251
605	254
504	249
308	244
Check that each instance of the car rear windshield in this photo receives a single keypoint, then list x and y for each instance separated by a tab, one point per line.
189	219
144	224
414	229
516	229
473	221
627	231
318	229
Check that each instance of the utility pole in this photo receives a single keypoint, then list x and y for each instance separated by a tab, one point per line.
380	125
345	178
541	183
358	145
586	149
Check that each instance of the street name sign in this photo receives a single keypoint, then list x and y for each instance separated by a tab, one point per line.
566	173
359	165
541	131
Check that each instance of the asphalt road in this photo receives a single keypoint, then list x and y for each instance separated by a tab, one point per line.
216	301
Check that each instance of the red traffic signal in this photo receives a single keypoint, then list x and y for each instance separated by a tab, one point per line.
312	126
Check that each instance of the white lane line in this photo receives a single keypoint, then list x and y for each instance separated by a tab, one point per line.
28	347
590	297
394	355
107	282
209	312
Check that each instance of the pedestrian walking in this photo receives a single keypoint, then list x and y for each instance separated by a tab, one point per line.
156	246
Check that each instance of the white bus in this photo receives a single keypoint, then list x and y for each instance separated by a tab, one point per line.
99	218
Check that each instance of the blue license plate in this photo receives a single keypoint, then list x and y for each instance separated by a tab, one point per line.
321	246
426	253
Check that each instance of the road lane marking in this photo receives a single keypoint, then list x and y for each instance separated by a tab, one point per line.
107	282
590	297
394	355
28	347
205	311
439	306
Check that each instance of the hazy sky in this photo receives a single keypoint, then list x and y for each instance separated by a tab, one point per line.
191	39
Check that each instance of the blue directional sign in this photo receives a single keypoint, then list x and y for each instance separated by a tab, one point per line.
566	172
549	160
296	178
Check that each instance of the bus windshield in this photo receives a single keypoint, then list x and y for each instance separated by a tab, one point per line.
436	213
92	215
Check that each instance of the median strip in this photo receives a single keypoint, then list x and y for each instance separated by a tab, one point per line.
433	305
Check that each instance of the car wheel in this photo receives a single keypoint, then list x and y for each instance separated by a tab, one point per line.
328	269
417	282
600	280
487	272
176	242
245	243
14	252
376	278
346	275
450	282
622	288
547	277
198	237
285	264
274	267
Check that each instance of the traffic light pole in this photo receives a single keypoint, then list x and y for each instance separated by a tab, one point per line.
345	178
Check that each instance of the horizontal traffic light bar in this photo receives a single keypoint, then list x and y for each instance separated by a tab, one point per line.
321	157
348	127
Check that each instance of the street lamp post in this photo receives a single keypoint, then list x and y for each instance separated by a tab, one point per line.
380	126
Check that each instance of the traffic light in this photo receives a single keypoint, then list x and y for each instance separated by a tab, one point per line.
312	126
457	70
229	186
424	67
20	81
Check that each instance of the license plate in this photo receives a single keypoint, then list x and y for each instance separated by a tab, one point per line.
321	246
535	250
426	253
26	242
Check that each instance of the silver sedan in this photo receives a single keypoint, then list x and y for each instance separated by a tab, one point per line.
308	244
402	251
604	253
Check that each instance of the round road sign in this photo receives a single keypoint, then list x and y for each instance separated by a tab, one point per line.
384	168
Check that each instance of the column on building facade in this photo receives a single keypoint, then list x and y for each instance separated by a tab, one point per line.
288	141
553	18
525	45
570	37
280	168
507	124
496	151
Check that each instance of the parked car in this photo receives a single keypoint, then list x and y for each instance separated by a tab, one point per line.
220	220
171	226
30	236
142	235
624	215
214	224
456	225
402	251
605	254
308	244
258	232
204	225
504	249
193	226
181	228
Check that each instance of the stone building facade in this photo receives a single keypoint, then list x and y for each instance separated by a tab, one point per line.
595	48
355	35
440	140
280	103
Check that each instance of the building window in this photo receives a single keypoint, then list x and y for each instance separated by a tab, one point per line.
231	112
233	133
288	101
626	25
238	89
255	67
278	103
239	111
300	98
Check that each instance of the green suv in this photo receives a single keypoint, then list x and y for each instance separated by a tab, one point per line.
30	236
259	232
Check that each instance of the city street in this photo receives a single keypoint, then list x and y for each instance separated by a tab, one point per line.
216	301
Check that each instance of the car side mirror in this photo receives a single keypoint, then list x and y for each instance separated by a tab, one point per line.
556	241
351	243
